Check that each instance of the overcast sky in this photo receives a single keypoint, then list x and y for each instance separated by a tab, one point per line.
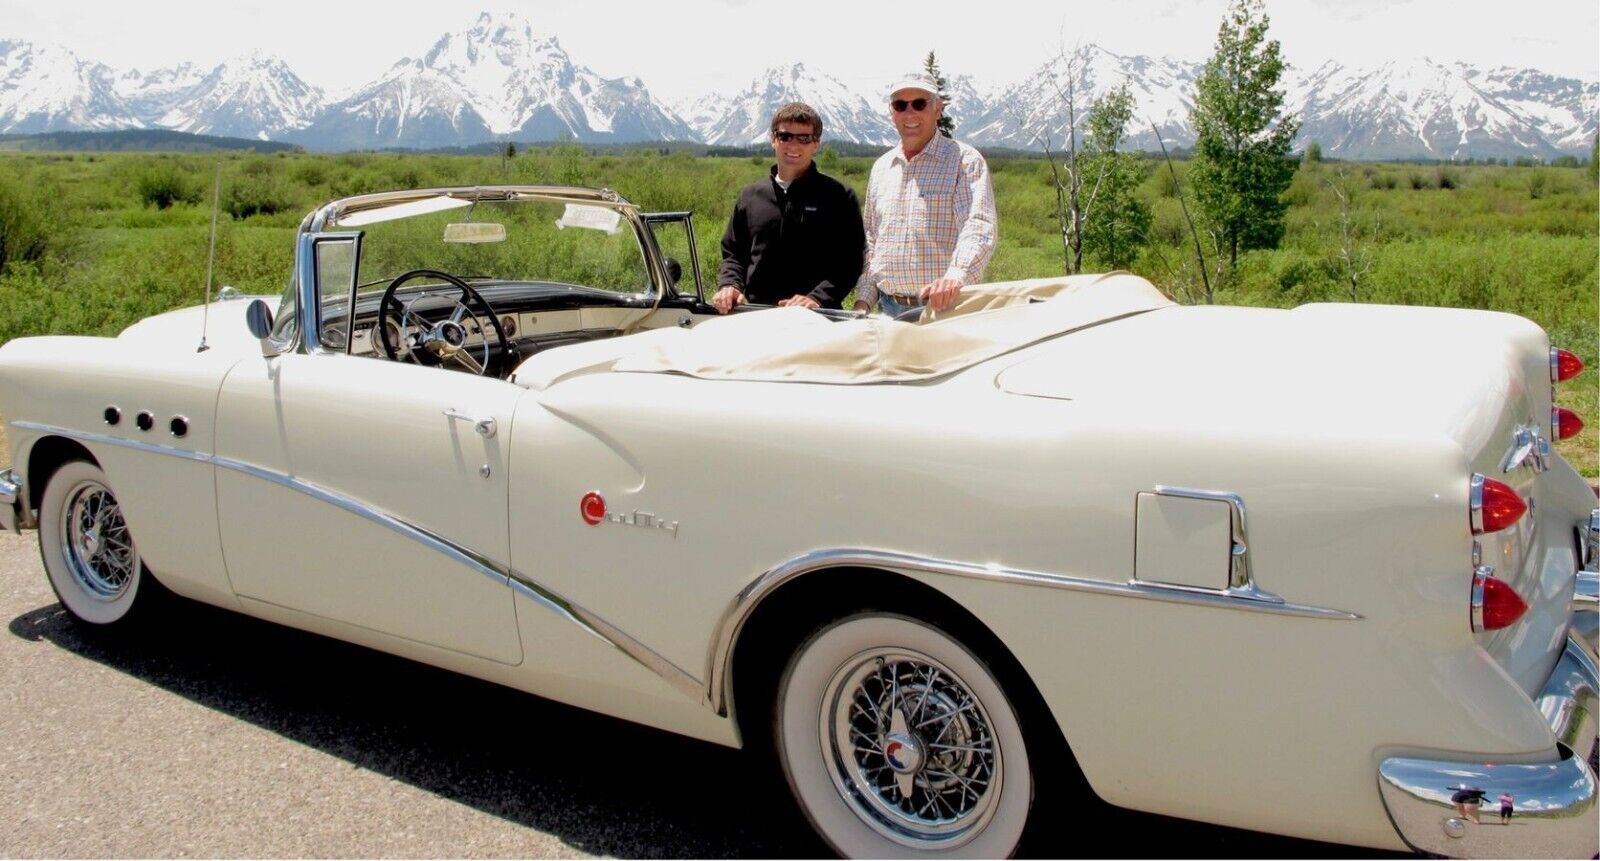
684	48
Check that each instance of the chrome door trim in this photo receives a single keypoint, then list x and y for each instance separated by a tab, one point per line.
503	574
744	603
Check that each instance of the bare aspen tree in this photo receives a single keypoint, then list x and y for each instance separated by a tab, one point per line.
1355	240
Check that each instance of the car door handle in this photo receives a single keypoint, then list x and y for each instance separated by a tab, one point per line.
486	427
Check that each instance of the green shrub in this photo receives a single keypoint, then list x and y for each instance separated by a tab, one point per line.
249	196
164	183
1446	179
1537	184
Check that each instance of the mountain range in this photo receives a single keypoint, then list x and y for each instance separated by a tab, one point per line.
502	80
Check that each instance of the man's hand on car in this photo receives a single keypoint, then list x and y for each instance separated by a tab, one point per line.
799	301
942	294
726	298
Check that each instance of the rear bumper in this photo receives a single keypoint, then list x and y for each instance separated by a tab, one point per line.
11	519
1554	803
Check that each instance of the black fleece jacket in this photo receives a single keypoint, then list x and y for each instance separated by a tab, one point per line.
808	240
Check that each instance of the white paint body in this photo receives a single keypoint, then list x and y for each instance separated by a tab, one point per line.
1349	431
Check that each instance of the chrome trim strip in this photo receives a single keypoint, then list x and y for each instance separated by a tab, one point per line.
739	609
550	600
1591	543
1475	504
613	636
1554	801
1475	611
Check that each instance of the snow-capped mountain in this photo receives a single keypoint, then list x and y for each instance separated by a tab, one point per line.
1564	109
247	97
500	79
848	113
1033	114
154	93
497	79
1415	109
746	117
48	88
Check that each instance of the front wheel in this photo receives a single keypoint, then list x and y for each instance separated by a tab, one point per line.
897	740
86	548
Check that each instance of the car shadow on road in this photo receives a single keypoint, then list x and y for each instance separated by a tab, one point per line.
601	785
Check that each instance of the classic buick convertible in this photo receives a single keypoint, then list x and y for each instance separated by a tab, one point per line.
1066	534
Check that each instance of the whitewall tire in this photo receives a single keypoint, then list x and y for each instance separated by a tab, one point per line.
87	550
898	741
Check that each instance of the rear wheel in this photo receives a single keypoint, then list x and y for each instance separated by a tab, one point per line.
897	740
87	550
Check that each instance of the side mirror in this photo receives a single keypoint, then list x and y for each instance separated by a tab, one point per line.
258	317
674	271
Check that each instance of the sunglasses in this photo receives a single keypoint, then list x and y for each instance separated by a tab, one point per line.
797	137
900	105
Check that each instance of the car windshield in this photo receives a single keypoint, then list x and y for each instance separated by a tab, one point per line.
523	241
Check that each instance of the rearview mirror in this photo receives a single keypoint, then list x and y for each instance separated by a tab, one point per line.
674	270
469	232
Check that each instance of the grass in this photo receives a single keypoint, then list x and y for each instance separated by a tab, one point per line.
112	238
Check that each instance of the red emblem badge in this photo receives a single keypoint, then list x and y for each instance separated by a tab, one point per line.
592	508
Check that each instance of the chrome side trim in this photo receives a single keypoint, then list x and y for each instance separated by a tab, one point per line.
1554	806
519	582
733	618
610	634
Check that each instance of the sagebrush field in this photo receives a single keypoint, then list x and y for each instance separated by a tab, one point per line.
92	242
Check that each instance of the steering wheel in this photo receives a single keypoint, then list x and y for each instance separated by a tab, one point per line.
444	341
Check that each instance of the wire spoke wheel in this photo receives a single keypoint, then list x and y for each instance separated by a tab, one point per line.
88	552
911	745
897	740
95	545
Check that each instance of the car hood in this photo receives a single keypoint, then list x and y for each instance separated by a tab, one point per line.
180	330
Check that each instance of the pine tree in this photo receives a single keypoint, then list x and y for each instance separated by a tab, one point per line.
930	67
1116	220
1241	163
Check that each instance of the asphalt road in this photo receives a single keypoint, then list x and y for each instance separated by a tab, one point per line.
210	734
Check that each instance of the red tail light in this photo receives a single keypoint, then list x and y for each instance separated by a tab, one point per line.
1494	505
1565	423
1564	365
1495	604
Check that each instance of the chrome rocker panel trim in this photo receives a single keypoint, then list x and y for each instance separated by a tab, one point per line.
1554	811
503	574
744	603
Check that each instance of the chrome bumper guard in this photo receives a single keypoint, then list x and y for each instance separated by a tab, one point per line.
11	491
1554	803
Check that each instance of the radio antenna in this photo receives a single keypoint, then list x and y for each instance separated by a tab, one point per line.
211	256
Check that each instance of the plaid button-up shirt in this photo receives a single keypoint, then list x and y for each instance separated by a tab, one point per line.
927	218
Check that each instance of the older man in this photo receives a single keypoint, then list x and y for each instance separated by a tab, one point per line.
795	236
930	217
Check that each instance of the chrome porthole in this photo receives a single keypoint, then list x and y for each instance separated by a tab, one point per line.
95	544
911	748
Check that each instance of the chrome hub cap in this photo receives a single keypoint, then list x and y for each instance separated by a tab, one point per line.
95	543
911	749
904	753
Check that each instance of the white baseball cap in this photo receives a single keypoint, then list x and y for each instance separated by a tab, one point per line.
916	81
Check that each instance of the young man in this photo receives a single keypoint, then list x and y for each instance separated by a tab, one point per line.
795	238
931	222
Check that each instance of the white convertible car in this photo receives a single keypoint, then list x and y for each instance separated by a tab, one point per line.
1066	536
